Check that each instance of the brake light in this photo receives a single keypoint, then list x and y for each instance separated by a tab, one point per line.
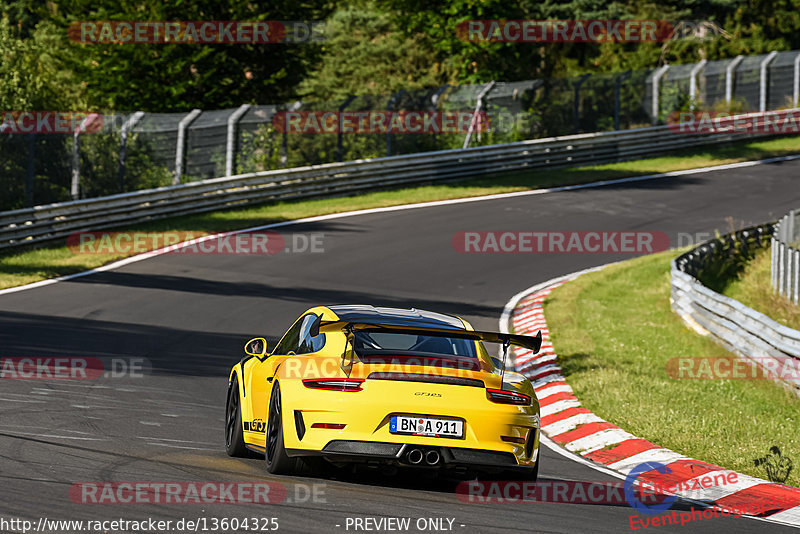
330	426
334	384
501	396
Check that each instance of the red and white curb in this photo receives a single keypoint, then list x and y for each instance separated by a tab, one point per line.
603	445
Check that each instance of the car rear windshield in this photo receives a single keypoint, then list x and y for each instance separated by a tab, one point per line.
374	343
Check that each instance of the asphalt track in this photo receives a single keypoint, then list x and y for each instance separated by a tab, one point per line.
190	314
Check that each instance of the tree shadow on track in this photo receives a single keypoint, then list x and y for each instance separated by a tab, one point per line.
194	350
312	296
168	350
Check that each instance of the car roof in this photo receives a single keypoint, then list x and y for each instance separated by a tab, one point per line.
365	313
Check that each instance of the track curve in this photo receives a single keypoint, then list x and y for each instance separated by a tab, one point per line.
189	315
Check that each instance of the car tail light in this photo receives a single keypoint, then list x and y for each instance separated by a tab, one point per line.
330	426
334	384
513	439
502	396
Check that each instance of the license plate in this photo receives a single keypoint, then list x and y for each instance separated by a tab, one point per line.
426	426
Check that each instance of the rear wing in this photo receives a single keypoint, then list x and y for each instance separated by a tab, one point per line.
533	343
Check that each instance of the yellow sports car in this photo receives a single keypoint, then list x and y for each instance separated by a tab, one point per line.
384	386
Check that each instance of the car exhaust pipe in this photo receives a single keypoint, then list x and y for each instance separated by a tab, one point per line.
432	457
414	456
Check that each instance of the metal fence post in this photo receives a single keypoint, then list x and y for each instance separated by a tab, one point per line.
75	188
339	133
123	145
31	170
794	254
478	105
786	256
230	146
656	105
780	237
790	274
773	268
729	72
789	271
576	121
435	101
617	91
762	92
285	136
789	263
180	150
389	105
796	84
693	83
796	276
781	267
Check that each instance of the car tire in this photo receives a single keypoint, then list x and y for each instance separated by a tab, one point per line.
278	462
234	436
525	474
529	474
534	476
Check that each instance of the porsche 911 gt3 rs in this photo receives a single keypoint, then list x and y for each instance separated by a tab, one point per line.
390	386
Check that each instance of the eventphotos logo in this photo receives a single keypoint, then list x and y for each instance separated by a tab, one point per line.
633	497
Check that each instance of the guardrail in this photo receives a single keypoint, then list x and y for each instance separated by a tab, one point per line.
785	272
56	221
741	330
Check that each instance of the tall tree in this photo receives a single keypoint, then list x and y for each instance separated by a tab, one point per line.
366	52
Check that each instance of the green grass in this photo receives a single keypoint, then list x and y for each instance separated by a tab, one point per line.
19	267
753	289
614	333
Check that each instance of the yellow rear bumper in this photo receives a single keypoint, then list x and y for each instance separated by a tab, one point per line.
366	415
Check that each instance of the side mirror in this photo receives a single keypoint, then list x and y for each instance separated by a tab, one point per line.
256	347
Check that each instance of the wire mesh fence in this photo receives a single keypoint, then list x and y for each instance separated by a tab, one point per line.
135	151
781	80
785	260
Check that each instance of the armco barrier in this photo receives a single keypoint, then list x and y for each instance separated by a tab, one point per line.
785	273
54	221
741	330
